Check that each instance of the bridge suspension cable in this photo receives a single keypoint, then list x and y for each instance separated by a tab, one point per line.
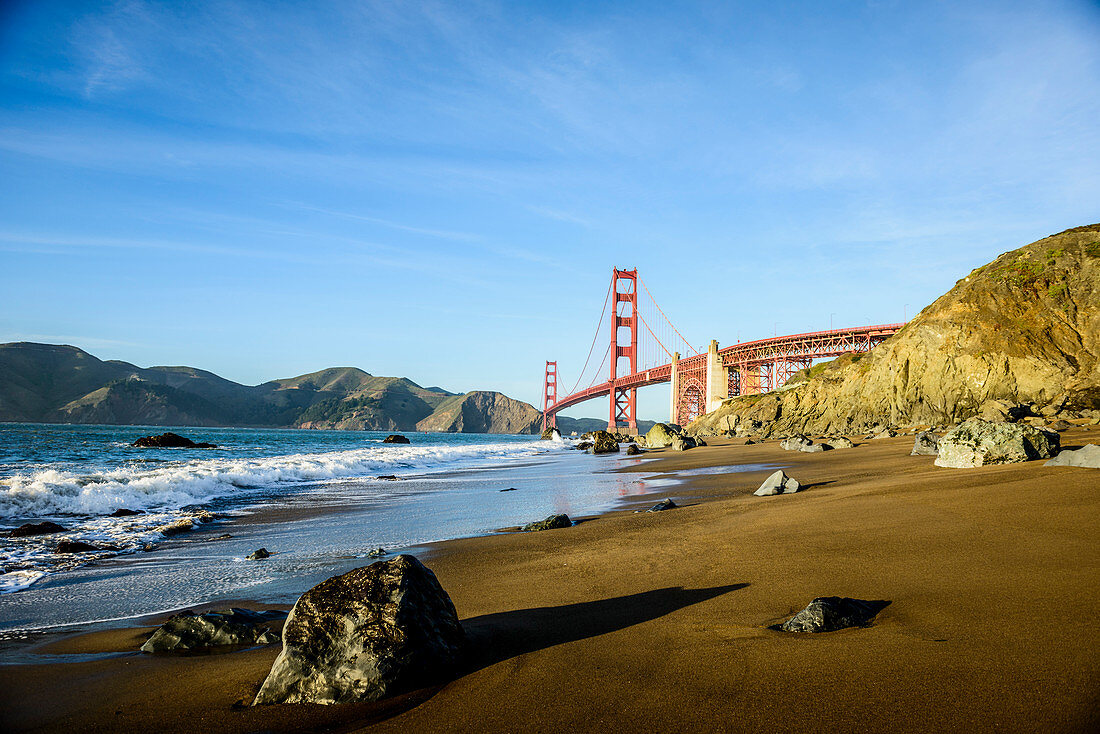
599	326
668	321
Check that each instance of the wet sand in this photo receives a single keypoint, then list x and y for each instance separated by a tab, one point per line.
659	622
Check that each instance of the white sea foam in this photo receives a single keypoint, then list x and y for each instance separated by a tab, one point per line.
53	492
18	580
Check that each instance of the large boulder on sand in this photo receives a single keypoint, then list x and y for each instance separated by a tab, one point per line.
925	444
828	613
660	436
373	632
190	631
604	443
683	443
1087	456
778	483
554	522
840	442
976	442
795	443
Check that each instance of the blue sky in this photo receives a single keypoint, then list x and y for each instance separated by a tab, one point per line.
440	190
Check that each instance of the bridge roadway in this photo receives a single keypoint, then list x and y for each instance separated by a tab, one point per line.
702	381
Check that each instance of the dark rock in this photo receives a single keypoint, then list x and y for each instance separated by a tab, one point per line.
123	512
377	553
395	438
37	528
369	633
551	523
388	477
1088	456
510	489
749	442
829	613
665	504
583	445
604	443
258	554
75	546
169	441
778	483
925	444
633	450
551	434
190	631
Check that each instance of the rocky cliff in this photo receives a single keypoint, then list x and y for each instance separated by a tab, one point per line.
1024	328
482	412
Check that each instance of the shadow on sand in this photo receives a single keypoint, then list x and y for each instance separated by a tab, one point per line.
493	638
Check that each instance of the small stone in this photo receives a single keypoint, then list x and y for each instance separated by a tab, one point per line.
829	613
553	522
510	489
258	554
778	483
663	505
388	477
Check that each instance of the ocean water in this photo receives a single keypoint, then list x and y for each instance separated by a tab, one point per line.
312	498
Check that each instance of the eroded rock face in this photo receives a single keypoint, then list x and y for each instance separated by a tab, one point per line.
603	443
778	483
829	613
1087	456
369	633
553	522
976	442
190	631
925	444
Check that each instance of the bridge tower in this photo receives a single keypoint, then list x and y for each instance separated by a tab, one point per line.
624	315
550	396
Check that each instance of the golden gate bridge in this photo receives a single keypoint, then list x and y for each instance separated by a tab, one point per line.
657	352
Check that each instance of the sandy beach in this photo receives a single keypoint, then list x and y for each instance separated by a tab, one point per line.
660	622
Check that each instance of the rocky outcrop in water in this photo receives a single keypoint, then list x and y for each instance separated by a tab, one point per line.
603	443
169	441
977	442
1023	329
395	438
369	633
36	528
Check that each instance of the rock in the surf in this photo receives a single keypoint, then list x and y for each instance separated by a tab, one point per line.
977	442
925	444
169	441
603	443
369	633
778	483
395	438
190	631
76	546
125	512
259	554
1088	456
553	522
551	434
829	613
37	528
633	450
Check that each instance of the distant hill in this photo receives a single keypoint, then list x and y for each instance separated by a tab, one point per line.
52	383
1023	328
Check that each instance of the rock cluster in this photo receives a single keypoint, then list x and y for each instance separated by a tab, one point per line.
369	633
190	631
977	442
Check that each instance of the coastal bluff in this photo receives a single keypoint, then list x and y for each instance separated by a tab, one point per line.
1024	328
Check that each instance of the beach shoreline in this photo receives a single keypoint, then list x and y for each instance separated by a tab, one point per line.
632	621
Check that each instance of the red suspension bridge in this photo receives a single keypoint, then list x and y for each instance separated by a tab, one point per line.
638	357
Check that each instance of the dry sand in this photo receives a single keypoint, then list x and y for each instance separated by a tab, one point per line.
659	622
